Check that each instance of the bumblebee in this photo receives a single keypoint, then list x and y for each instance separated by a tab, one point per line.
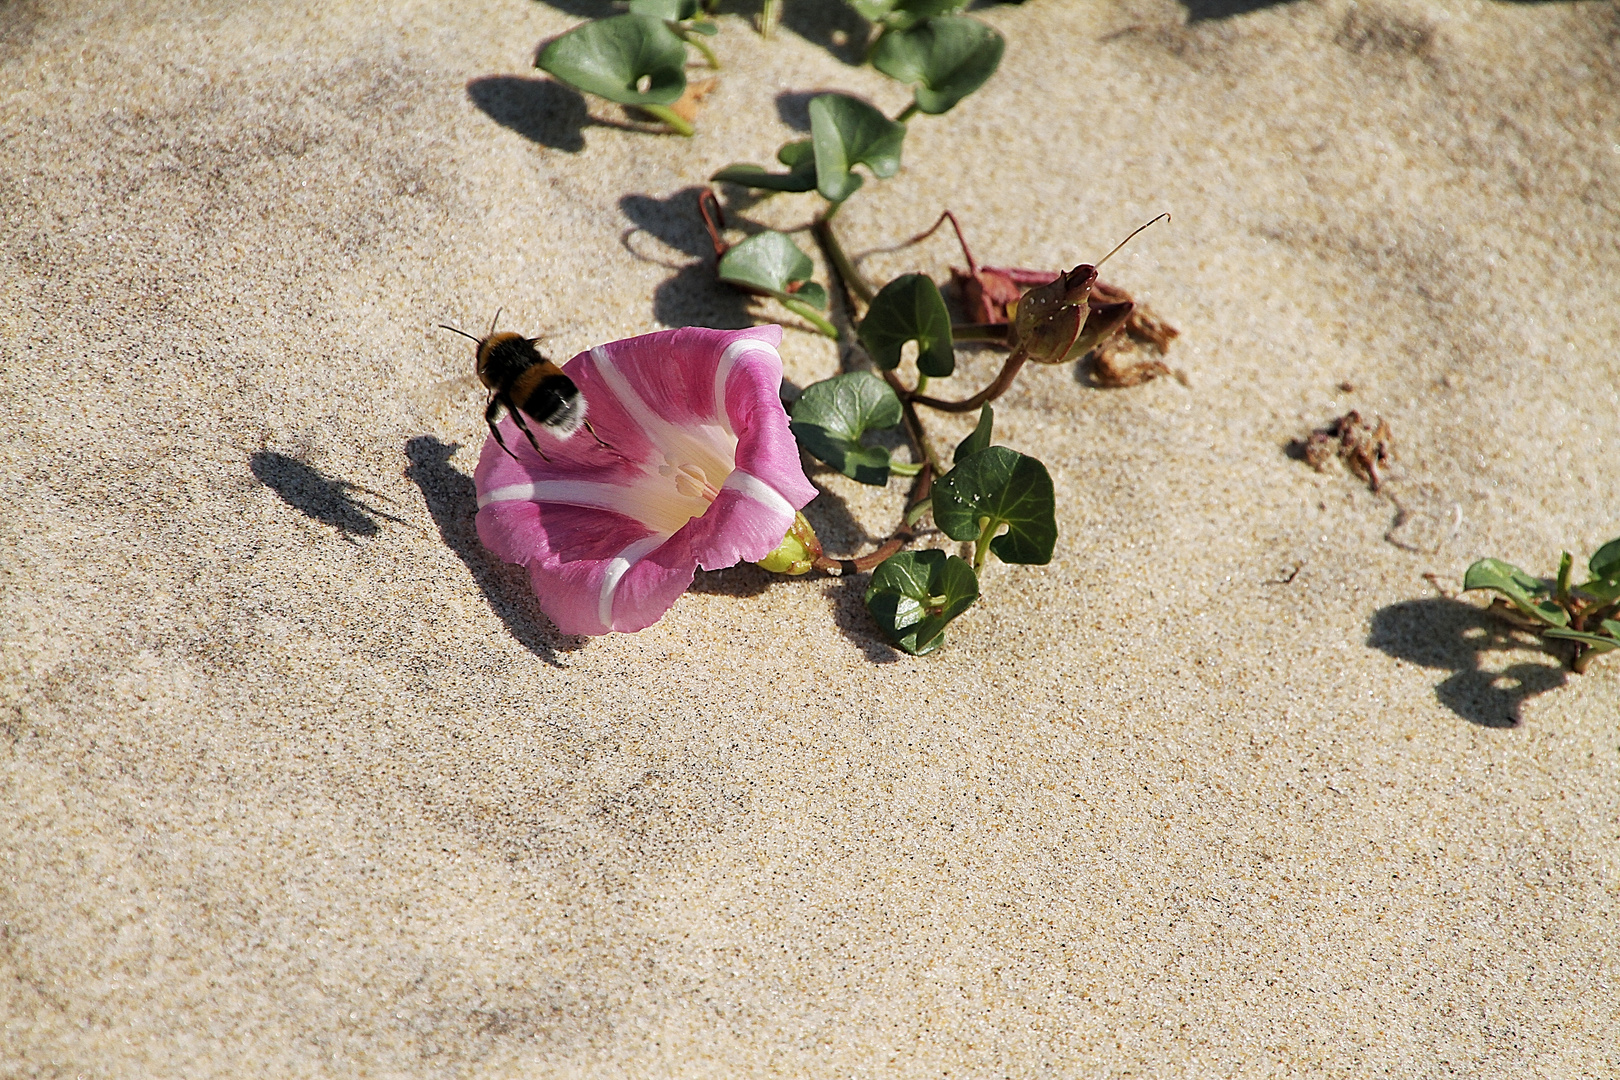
526	384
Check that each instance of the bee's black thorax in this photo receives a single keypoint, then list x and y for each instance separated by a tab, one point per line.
522	379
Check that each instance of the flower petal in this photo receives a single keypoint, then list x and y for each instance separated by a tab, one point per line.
766	448
570	552
608	536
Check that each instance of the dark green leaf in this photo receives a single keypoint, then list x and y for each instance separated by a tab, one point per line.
1517	586
914	595
610	57
832	415
904	13
845	132
1601	642
995	487
980	437
1605	562
1605	567
672	10
771	263
910	308
799	157
951	57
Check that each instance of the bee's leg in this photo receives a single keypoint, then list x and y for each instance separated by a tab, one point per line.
489	418
517	418
594	435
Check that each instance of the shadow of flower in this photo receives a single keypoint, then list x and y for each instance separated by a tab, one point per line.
1452	635
452	499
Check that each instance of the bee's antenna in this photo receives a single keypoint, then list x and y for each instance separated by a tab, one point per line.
453	330
498	310
1122	243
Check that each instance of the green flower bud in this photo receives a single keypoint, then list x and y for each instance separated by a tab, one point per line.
797	552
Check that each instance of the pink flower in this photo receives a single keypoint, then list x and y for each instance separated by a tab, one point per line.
702	471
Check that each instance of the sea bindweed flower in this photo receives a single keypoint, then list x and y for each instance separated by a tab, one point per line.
699	469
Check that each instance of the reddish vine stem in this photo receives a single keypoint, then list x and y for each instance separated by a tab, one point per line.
921	488
1009	371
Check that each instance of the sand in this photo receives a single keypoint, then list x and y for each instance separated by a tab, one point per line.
298	781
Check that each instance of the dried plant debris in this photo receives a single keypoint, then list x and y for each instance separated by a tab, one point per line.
1365	447
686	106
1131	356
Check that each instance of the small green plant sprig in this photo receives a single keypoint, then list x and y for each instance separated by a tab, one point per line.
1000	501
637	59
991	498
1587	615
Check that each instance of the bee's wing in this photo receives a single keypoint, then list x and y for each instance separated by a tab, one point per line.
444	399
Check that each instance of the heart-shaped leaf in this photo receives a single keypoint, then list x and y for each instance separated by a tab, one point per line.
951	57
910	308
799	157
1517	586
630	59
846	131
914	595
979	439
771	264
904	13
995	487
832	415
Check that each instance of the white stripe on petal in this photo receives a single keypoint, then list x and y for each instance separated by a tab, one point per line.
750	486
728	360
617	567
572	492
651	500
706	445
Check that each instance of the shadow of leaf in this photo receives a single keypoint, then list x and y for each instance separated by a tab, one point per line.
542	110
1202	10
586	9
836	27
674	220
693	296
849	614
793	109
1452	635
315	495
452	499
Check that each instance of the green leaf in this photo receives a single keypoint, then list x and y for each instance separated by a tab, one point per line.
904	13
610	57
831	416
910	308
914	595
1517	586
671	10
995	487
772	264
980	437
1599	642
1605	561
799	157
1605	567
846	131
951	57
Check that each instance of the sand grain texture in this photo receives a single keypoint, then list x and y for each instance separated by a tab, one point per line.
295	775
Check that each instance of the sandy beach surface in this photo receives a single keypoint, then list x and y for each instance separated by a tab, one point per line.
298	781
